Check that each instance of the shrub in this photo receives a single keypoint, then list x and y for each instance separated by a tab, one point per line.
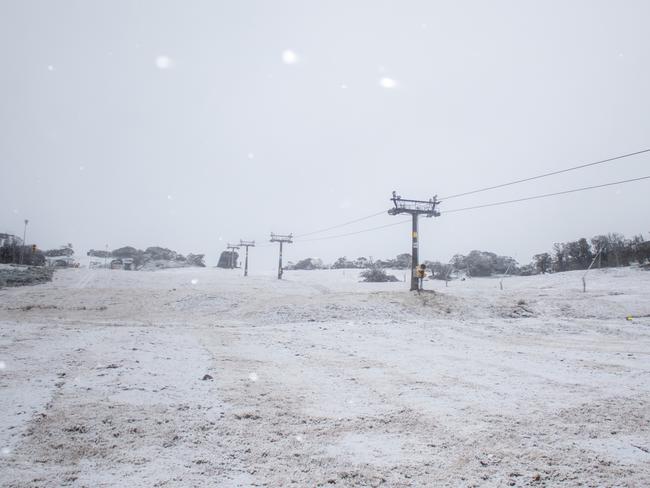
377	275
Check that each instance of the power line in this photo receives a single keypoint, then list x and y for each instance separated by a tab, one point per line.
546	195
573	168
354	233
341	225
494	204
484	205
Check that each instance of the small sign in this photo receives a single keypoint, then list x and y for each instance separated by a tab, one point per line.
415	235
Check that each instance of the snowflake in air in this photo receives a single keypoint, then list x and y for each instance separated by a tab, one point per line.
164	62
289	57
387	83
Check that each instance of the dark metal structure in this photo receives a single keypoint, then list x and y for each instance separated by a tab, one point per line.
246	244
231	248
22	248
415	208
281	239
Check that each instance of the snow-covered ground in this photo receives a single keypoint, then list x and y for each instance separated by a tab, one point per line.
319	380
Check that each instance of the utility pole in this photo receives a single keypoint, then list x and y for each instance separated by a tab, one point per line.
415	208
246	244
22	248
281	240
232	248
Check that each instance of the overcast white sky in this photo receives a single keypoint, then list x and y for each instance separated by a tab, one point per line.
188	124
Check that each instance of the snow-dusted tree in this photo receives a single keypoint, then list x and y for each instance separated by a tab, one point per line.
543	262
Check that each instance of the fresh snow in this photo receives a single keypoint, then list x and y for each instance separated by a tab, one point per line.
321	380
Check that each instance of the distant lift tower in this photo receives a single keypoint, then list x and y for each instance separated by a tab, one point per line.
231	248
246	244
281	240
415	208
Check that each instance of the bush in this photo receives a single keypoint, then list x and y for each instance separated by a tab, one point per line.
308	263
377	275
196	260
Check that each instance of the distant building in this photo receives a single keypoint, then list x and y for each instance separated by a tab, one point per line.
228	259
60	261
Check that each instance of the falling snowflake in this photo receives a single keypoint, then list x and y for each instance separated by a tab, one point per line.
289	57
164	62
50	68
299	438
194	281
5	451
387	83
81	168
169	197
2	365
344	86
252	377
251	156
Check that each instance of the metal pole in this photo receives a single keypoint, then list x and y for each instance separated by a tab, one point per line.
22	248
246	263
280	263
414	256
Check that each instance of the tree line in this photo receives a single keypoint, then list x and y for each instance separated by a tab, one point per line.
606	250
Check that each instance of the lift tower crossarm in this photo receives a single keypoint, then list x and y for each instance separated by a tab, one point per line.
415	208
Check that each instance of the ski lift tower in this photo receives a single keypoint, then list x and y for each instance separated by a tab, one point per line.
282	239
415	208
246	244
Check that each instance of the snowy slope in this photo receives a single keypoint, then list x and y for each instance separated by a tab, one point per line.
320	380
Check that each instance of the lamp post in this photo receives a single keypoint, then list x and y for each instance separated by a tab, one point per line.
22	248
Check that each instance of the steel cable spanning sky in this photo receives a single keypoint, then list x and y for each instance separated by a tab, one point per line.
492	204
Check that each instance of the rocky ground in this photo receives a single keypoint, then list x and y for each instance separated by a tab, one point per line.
200	377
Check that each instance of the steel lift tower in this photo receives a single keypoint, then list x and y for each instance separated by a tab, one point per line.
281	239
246	244
415	208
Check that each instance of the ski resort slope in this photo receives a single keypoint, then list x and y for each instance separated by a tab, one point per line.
201	377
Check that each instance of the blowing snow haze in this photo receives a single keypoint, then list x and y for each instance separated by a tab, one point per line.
188	125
